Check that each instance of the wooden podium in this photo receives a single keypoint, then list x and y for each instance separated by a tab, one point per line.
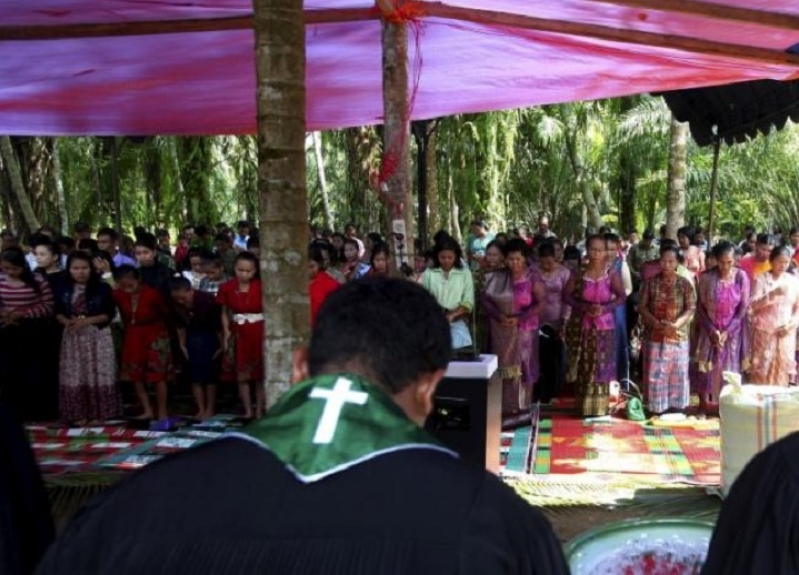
467	416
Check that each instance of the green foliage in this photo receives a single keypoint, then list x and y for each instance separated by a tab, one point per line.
508	167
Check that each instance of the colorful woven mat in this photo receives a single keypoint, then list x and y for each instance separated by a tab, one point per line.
569	445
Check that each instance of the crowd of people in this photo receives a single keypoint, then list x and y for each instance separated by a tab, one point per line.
80	314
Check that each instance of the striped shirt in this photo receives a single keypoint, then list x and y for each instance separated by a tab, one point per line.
25	300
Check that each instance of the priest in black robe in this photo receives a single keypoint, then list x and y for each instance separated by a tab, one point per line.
338	478
757	532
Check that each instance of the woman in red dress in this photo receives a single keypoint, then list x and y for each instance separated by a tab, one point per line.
146	350
243	333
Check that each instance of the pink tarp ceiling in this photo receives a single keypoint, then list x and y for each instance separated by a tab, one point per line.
476	55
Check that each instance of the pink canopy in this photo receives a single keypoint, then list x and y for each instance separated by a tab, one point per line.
142	67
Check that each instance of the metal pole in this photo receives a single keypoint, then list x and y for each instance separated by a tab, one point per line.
714	184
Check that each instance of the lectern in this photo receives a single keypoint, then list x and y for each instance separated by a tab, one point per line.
467	413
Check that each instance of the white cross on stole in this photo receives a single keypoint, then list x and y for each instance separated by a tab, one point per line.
335	399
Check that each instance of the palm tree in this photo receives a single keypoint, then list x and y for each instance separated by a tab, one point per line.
280	65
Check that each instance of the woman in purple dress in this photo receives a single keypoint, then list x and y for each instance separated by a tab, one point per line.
721	313
512	298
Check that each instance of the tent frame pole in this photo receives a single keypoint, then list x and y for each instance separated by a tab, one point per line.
714	184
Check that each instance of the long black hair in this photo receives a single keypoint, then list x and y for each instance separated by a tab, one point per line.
16	257
449	244
94	277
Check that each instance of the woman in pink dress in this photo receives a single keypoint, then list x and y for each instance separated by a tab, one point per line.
593	295
553	318
721	324
693	255
774	317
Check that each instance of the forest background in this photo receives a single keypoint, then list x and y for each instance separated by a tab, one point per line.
623	162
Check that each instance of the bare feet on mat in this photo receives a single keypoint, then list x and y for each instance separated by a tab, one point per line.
144	416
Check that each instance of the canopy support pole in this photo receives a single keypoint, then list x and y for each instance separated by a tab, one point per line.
714	184
395	169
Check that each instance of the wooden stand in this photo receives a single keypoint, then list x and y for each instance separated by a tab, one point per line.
468	411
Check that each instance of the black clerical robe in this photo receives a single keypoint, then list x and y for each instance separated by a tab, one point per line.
230	507
26	526
757	532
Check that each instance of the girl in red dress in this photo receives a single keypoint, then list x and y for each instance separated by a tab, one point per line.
146	350
243	332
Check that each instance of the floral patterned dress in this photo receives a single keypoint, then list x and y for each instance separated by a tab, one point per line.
146	350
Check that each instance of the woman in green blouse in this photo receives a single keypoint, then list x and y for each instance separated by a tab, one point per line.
450	282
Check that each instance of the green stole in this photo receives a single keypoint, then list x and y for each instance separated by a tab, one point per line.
330	423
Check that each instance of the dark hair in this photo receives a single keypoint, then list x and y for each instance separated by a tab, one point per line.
222	237
501	235
81	227
104	255
689	232
146	240
374	237
547	250
379	248
351	242
253	242
94	277
766	239
780	251
66	243
248	257
595	238
440	236
162	233
110	232
88	245
243	224
38	239
126	271
194	253
178	283
722	248
46	230
16	257
611	237
516	245
571	253
391	331
670	249
449	244
493	244
210	258
316	253
48	245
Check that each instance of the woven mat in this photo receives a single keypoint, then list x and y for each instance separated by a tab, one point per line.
570	445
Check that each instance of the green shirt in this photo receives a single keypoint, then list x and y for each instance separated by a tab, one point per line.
455	290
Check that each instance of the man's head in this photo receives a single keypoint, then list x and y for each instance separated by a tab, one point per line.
82	230
7	239
243	228
765	243
479	228
350	230
543	225
389	331
107	240
649	236
163	239
222	243
146	246
180	290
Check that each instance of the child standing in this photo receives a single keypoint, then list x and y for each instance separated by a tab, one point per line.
200	335
146	353
215	275
243	332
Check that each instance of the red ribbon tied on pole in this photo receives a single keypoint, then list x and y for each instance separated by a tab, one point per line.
401	12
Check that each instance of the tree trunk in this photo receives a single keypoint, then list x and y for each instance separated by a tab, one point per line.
589	200
113	151
9	212
152	178
58	183
433	200
627	178
280	65
320	171
421	134
678	166
174	161
195	162
396	140
11	162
